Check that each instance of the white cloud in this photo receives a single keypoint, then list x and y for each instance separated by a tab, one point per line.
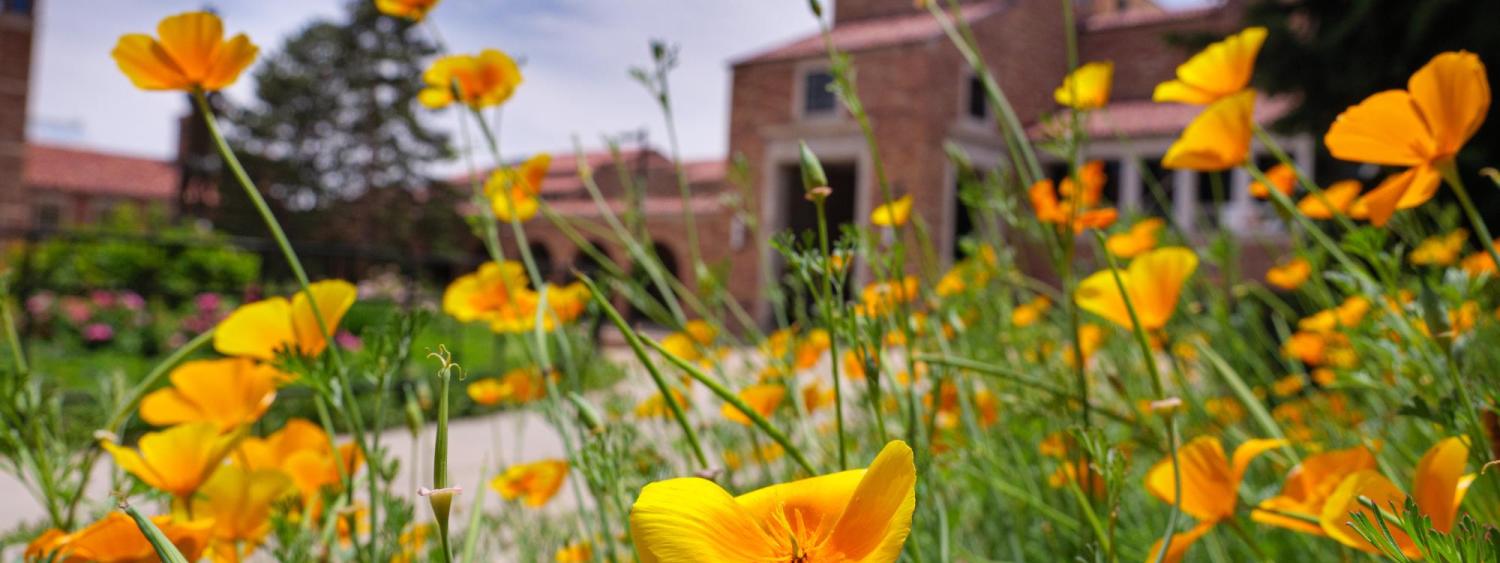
577	54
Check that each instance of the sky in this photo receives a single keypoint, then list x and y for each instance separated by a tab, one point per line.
577	52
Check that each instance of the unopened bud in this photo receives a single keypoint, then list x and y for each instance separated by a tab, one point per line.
813	176
816	7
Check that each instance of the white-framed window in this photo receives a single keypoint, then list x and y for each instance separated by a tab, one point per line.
816	97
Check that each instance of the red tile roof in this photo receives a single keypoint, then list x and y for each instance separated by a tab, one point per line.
1144	118
872	33
1140	17
83	171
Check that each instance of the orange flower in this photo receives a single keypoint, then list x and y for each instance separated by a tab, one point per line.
414	10
538	481
1347	315
479	81
177	460
228	392
880	298
1439	250
1218	139
115	538
1210	483
815	396
1153	281
1308	486
1440	485
1087	87
1420	128
1290	275
1078	209
514	190
763	399
1341	195
1282	176
1218	71
302	451
656	406
240	503
1479	263
1028	313
1138	239
267	327
191	55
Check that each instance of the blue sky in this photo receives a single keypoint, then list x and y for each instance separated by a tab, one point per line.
578	53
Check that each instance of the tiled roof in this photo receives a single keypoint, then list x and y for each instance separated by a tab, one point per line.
82	171
1144	17
1145	118
871	33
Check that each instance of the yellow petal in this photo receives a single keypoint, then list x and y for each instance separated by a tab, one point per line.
1385	128
1155	281
763	399
240	502
333	298
874	526
191	39
147	66
1310	483
1087	87
1219	70
228	392
176	460
1435	488
818	500
1209	490
691	519
256	330
1180	543
893	214
1218	139
1248	451
1454	95
1345	500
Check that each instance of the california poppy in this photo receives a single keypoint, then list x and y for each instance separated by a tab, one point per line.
480	81
1281	176
892	214
857	515
264	328
414	10
240	503
1080	205
514	191
190	55
1217	139
1420	128
178	460
1341	196
1308	486
1087	87
1216	72
496	293
763	399
1439	250
1028	313
1289	275
1439	483
303	451
115	538
1210	483
228	392
488	391
1153	282
1138	239
538	481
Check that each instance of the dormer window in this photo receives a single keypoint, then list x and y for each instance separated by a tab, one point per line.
817	99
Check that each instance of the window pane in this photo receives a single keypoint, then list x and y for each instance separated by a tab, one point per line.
816	97
978	108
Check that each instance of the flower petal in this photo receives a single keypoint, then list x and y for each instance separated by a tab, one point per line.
147	66
256	330
1218	139
1435	488
1248	451
1208	489
191	39
333	298
229	61
875	524
1385	128
692	519
1402	191
1345	500
1180	543
1219	70
1454	96
1155	281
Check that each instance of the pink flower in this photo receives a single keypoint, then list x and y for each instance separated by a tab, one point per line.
102	299
98	332
347	340
132	301
38	305
207	302
76	309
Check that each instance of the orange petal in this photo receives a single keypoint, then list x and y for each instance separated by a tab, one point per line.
1401	191
1385	128
1180	543
1156	280
1345	500
1218	139
1209	490
147	66
1454	96
333	298
1219	70
1340	195
1436	484
1087	87
256	330
875	524
191	39
229	61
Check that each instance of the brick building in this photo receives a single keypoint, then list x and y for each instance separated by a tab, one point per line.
16	29
920	95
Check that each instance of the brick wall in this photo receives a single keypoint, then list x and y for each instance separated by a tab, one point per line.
15	72
850	10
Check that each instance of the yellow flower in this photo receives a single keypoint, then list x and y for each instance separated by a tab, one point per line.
414	10
262	329
815	396
191	55
1218	139
763	399
880	298
656	406
412	540
1347	315
1420	128
1341	195
177	460
488	391
811	348
1439	483
1439	250
1153	282
525	384
240	502
893	214
576	552
303	451
1308	486
497	294
513	191
1210	484
1479	263
1028	313
1079	208
480	81
1289	275
857	515
1218	71
1139	238
1283	177
115	538
227	392
538	481
1087	87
